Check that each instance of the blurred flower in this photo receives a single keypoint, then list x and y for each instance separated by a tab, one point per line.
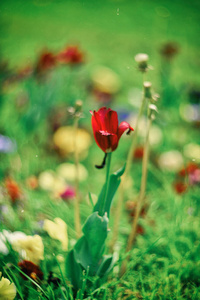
189	169
7	145
71	55
68	172
10	237
7	289
50	181
171	161
30	248
192	171
64	140
190	112
105	83
46	180
105	127
30	269
138	153
180	187
13	190
192	151
68	193
57	230
46	61
169	50
142	60
32	182
155	135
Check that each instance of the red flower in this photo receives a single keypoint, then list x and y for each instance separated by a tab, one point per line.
106	130
180	187
139	152
46	61
31	270
190	168
71	55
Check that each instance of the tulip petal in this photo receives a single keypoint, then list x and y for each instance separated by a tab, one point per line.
111	121
123	127
107	142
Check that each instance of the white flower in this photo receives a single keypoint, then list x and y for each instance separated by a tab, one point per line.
141	57
7	289
171	161
10	237
57	230
142	60
30	248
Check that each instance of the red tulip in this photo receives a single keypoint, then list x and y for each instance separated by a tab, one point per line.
106	130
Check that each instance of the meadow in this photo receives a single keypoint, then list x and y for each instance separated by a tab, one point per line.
99	150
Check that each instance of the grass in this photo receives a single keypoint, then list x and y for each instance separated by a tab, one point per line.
164	261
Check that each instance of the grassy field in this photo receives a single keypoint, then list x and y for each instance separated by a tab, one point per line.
164	261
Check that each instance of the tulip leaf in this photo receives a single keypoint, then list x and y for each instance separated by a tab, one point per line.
88	251
90	247
73	269
106	265
113	186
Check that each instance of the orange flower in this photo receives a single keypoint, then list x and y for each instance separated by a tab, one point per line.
13	190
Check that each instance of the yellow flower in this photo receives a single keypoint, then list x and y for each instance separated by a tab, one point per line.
192	151
30	248
105	80
7	289
68	172
57	230
64	139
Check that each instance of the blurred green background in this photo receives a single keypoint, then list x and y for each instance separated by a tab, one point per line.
109	32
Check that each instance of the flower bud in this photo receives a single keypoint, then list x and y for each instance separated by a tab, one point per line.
142	60
147	89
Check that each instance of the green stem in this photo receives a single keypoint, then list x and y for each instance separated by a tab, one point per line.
103	205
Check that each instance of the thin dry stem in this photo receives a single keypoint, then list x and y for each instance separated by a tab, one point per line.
124	177
141	197
77	198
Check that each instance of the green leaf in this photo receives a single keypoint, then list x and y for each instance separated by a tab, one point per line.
113	186
73	269
89	249
106	265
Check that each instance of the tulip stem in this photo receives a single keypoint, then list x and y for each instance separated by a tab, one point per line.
77	198
102	209
124	177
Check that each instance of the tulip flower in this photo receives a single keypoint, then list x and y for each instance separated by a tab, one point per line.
106	131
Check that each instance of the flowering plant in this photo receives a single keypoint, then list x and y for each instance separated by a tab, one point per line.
87	253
